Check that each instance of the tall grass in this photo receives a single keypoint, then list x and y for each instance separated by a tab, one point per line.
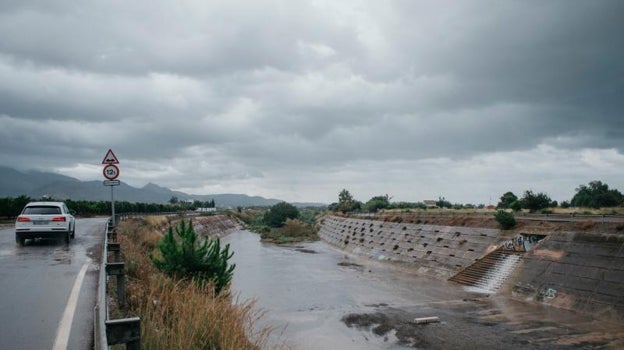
294	230
182	314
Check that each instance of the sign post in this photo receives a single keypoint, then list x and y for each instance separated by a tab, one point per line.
111	173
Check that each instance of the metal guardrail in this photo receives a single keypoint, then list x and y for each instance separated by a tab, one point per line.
108	331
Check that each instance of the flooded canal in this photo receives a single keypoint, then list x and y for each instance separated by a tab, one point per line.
321	298
309	288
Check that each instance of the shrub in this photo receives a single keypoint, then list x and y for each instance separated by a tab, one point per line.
376	203
535	201
294	230
185	257
277	215
505	219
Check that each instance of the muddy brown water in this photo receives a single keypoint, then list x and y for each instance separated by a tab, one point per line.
320	298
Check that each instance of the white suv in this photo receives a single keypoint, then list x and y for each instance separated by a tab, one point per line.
45	220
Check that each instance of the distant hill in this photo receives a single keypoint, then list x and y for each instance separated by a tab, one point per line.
37	184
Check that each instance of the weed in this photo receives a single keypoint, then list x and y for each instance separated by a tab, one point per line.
586	225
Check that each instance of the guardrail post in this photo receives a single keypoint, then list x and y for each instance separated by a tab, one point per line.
124	331
118	269
112	234
116	249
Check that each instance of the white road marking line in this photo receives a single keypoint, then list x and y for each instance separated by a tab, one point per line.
62	333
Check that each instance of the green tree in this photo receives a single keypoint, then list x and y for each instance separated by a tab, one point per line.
505	219
443	203
345	201
183	256
596	195
376	203
12	207
277	215
535	201
515	205
506	200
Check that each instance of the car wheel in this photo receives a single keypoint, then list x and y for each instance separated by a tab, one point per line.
66	237
20	240
73	232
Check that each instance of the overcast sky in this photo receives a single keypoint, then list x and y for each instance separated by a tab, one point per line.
297	100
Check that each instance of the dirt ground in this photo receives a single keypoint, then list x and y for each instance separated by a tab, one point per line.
487	323
488	221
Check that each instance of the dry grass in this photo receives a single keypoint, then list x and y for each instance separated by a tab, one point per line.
588	224
181	314
297	228
156	221
293	231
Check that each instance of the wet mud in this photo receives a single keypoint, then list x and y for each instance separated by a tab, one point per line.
481	324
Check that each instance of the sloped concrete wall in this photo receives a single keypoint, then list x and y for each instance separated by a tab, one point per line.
434	250
215	225
579	271
573	270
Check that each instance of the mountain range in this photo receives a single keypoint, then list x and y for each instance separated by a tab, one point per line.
37	184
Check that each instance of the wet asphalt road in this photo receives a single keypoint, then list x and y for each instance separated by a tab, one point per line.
36	282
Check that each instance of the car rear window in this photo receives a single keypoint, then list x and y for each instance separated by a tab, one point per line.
42	210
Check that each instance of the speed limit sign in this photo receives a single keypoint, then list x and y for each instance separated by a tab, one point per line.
111	172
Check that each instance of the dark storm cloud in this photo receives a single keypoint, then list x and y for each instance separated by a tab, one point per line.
187	38
565	56
229	91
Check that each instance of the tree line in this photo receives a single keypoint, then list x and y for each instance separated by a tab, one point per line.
196	204
594	195
11	207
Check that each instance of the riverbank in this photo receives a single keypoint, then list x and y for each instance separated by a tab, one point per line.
324	298
577	272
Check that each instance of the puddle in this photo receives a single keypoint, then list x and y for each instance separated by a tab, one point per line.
62	256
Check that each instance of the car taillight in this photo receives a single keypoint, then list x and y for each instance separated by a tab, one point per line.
23	219
59	219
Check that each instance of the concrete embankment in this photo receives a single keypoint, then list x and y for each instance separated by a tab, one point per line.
435	250
575	270
215	225
582	271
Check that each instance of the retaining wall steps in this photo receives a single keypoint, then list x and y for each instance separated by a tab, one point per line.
489	273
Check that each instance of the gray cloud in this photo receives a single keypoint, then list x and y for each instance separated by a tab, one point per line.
224	96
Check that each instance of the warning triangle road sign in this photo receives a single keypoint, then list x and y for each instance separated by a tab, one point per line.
110	158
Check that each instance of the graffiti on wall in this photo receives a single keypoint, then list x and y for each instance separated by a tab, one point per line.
521	243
